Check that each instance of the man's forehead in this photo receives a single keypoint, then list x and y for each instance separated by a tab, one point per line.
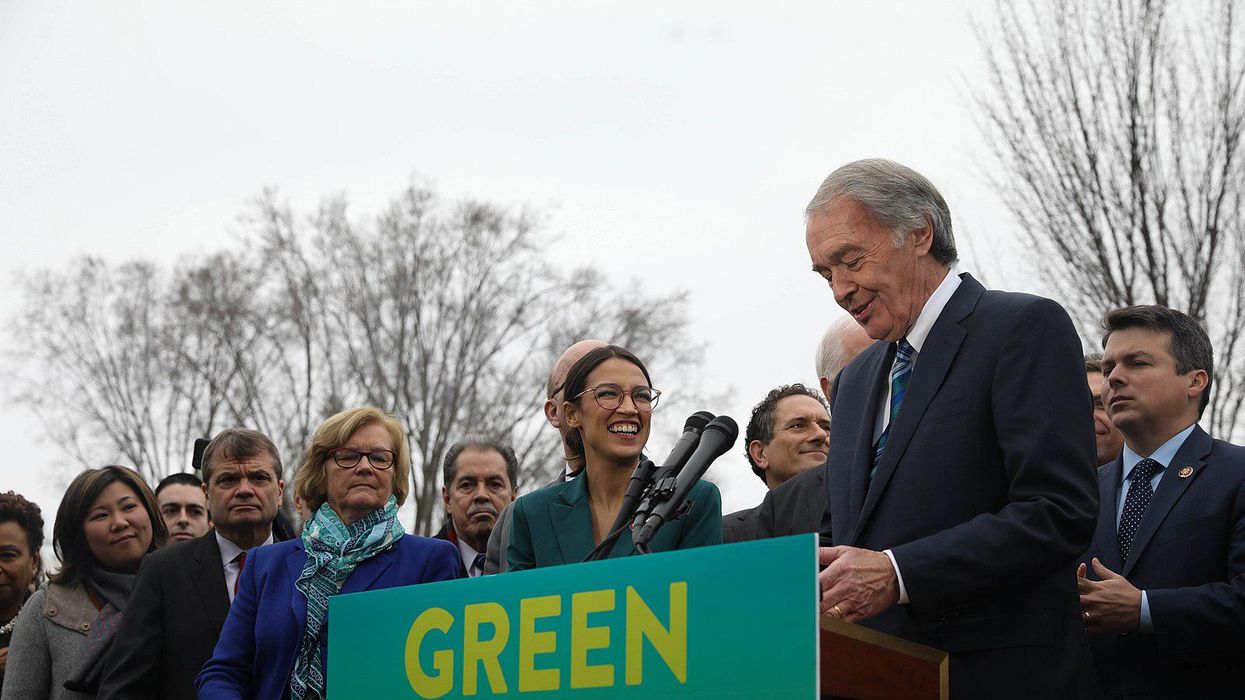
1136	341
176	493
476	463
798	405
245	465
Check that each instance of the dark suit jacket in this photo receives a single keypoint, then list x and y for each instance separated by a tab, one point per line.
255	654
796	507
554	526
740	526
985	492
1189	556
175	614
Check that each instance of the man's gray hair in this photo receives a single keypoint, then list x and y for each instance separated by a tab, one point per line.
449	469
830	351
897	196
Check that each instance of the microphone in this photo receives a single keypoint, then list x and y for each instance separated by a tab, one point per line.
645	475
678	456
718	437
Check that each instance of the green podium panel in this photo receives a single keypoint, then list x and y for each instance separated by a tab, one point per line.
732	621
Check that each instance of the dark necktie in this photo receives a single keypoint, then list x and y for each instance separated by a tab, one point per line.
901	372
1139	494
478	564
241	559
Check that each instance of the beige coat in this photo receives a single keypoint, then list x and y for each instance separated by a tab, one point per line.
47	643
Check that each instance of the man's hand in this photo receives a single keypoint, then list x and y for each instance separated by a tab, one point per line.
1109	606
856	583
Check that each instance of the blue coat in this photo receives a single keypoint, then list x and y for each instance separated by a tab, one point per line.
985	491
554	526
1188	554
255	654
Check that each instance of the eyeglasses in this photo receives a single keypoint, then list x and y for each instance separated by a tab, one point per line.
610	396
347	458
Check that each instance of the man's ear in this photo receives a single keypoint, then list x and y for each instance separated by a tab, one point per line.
923	238
551	412
756	450
826	386
1198	379
445	498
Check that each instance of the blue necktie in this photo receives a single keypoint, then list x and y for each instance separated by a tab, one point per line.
478	564
901	372
1139	494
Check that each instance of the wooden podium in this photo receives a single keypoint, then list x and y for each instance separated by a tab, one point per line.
857	662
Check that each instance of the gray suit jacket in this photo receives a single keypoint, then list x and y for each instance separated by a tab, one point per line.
740	526
796	507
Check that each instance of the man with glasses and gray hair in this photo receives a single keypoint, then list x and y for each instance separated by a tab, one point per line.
960	476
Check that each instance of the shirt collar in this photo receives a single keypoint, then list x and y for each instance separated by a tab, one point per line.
468	553
229	550
1163	455
933	309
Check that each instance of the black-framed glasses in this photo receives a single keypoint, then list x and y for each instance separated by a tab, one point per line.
347	458
610	396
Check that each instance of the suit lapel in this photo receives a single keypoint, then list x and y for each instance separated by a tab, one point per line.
932	363
1105	542
1192	455
294	568
873	370
207	575
368	571
567	517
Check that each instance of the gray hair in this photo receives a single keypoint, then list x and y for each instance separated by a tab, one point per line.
480	442
897	196
831	353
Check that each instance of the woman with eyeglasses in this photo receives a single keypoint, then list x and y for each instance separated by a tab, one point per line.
352	479
609	405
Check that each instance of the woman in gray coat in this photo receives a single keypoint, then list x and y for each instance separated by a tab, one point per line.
106	523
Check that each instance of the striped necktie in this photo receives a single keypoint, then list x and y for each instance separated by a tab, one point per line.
901	372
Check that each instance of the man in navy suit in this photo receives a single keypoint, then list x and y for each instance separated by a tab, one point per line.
960	474
1163	586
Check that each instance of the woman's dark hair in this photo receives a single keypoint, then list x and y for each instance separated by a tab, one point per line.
15	508
68	535
577	380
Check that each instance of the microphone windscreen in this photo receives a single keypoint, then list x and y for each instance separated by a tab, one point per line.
697	421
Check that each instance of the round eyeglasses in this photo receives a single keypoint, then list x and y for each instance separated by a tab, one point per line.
610	396
347	458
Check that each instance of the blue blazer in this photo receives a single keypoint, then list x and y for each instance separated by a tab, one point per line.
1188	555
985	492
554	526
255	654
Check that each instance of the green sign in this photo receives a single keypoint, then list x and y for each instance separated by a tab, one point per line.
732	621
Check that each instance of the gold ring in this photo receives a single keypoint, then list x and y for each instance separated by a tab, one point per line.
837	610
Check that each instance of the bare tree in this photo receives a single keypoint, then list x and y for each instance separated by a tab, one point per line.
449	314
1116	126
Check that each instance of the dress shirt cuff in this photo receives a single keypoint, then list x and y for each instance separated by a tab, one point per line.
1147	624
903	591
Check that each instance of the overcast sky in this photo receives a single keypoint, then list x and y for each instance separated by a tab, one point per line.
682	139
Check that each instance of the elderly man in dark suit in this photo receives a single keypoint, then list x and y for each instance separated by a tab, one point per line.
1163	585
182	593
960	477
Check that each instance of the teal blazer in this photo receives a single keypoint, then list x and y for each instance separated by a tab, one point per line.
553	526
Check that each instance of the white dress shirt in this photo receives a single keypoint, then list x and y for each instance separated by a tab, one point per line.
916	338
469	554
228	553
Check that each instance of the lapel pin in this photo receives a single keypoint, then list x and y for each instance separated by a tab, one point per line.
1185	472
